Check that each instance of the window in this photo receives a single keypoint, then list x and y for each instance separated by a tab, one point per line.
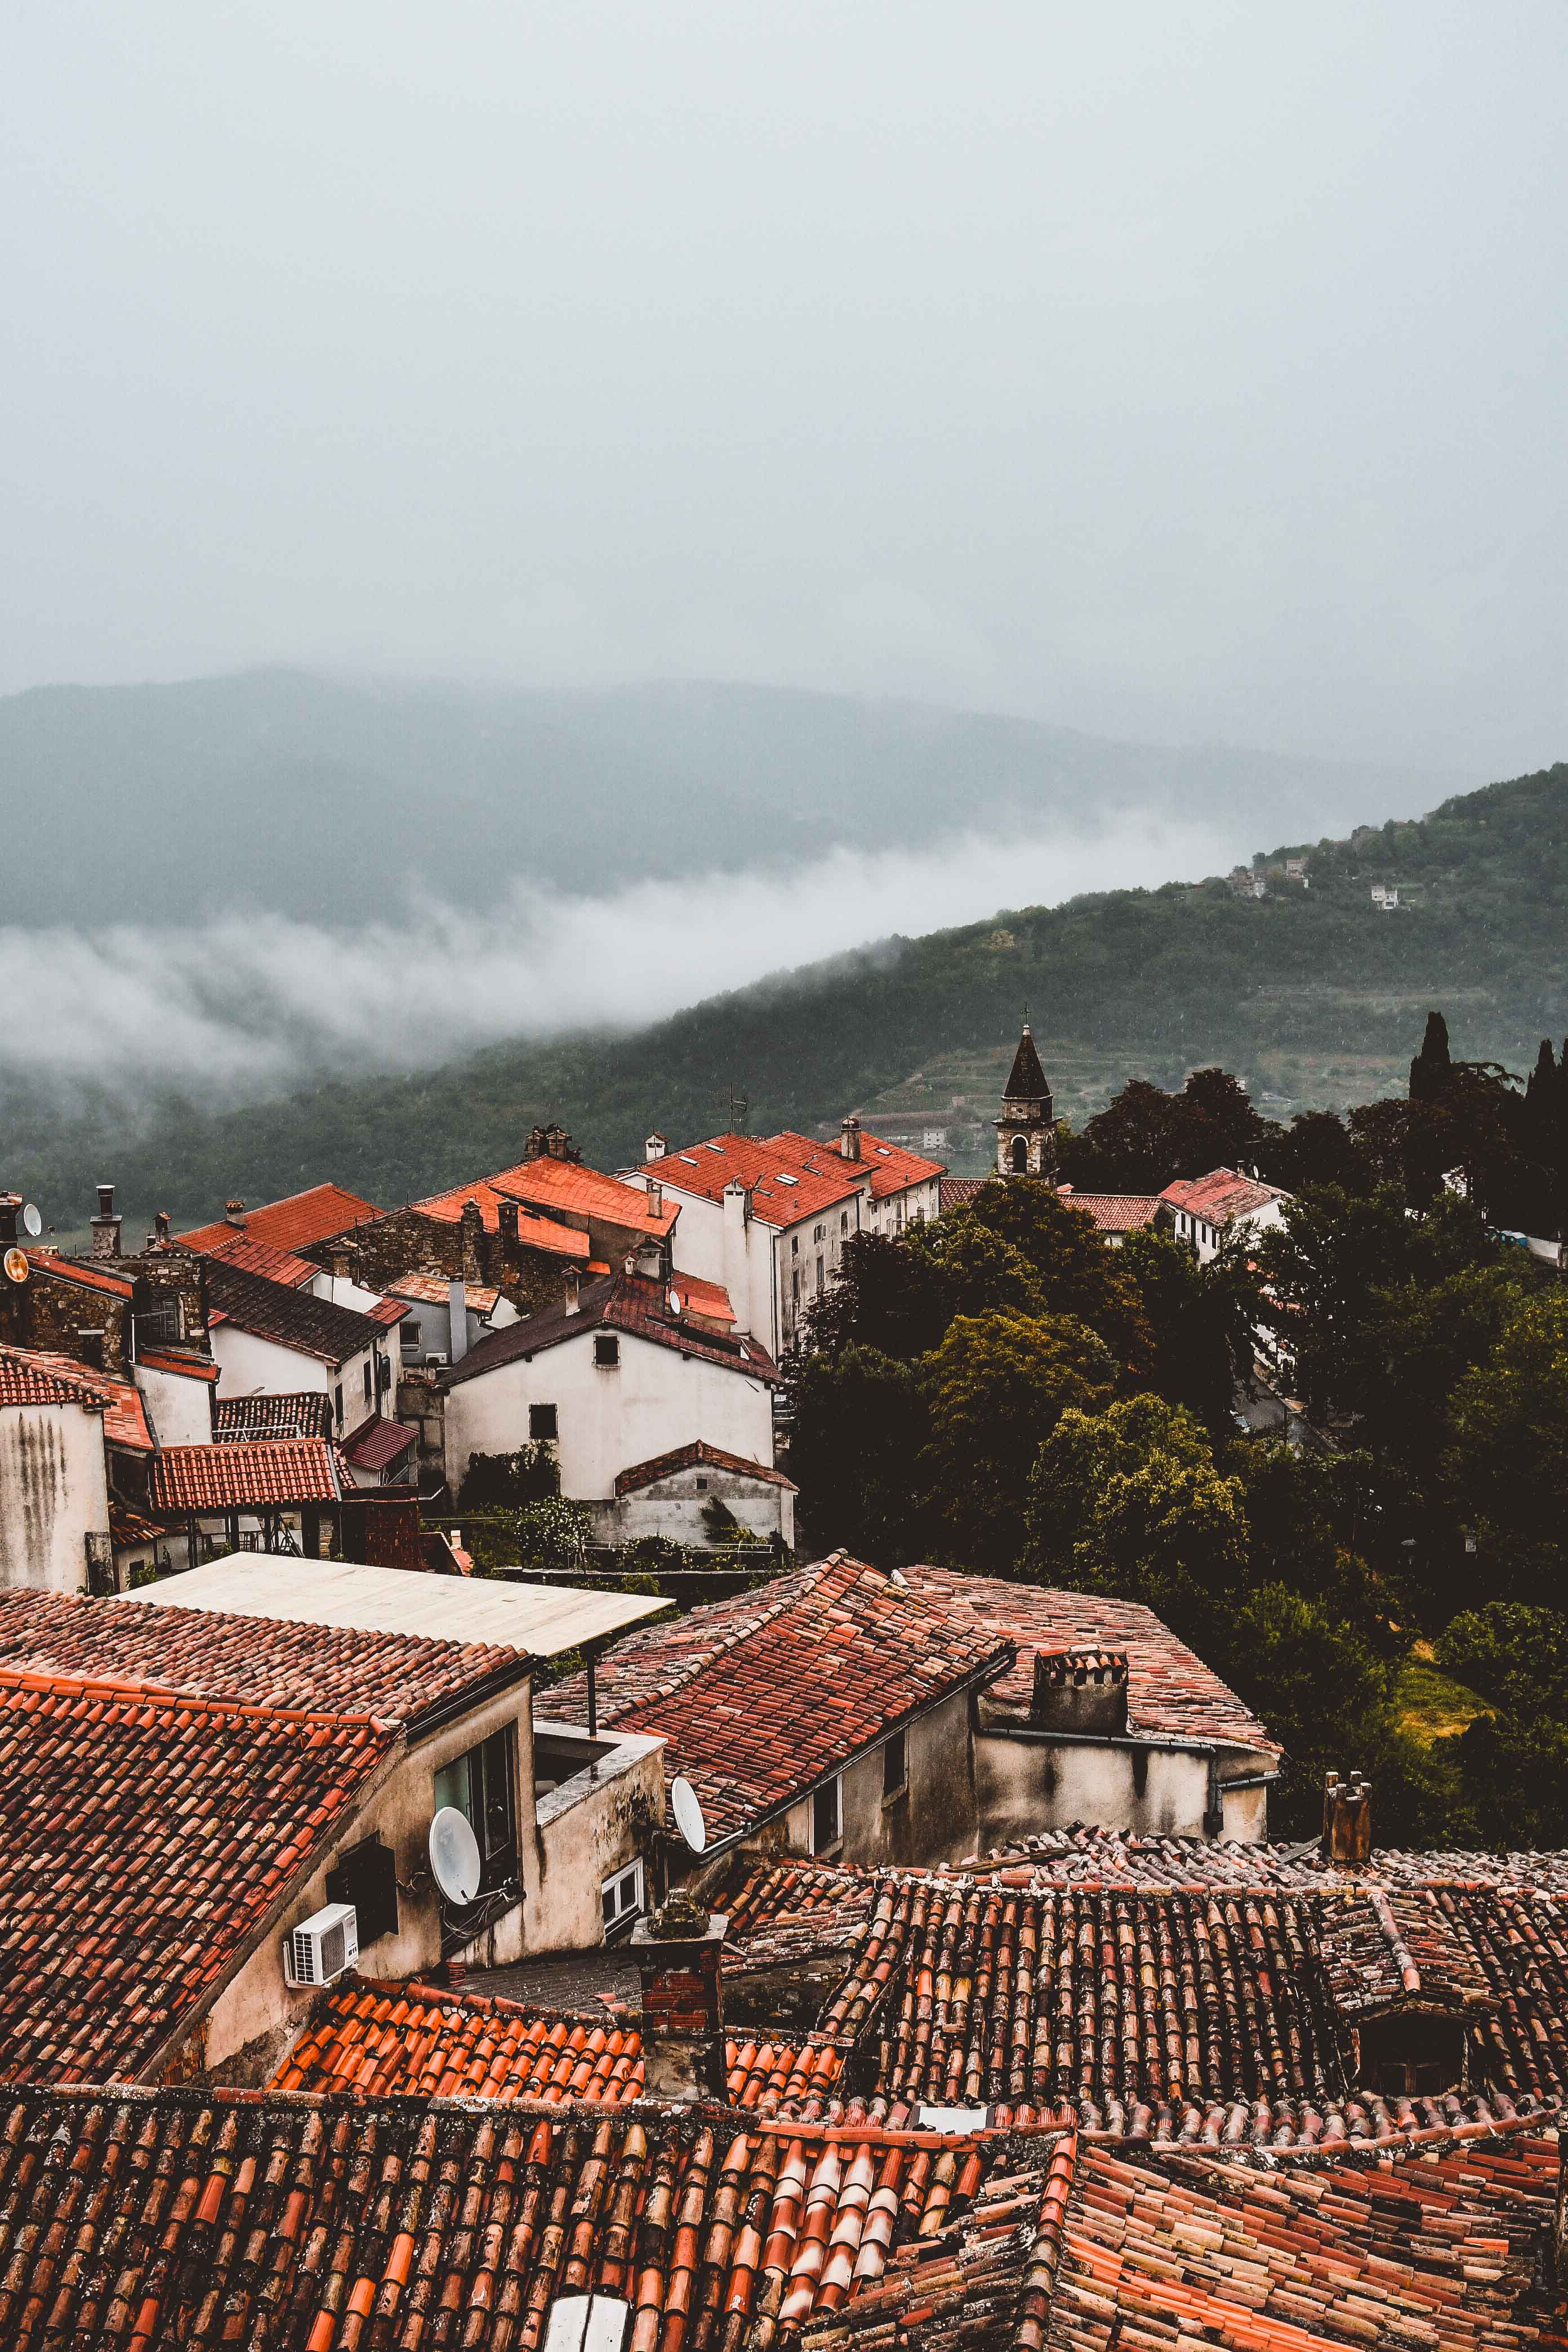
794	1287
367	1877
795	1245
819	1273
702	1486
384	1371
827	1815
338	1404
820	1233
844	1221
621	1896
607	1349
895	1768
479	1785
542	1420
369	1382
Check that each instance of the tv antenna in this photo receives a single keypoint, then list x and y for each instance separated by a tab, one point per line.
739	1110
687	1811
455	1855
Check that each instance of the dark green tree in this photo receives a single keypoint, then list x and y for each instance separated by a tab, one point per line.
858	1425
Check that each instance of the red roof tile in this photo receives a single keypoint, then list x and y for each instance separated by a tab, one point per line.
378	1443
164	1359
562	1185
633	1303
488	1193
244	1475
785	1184
290	1319
82	1271
893	1169
687	1457
27	1379
264	1661
143	1838
253	1256
1170	1691
957	1191
124	1415
420	2041
171	2219
300	1221
1113	1213
761	1697
435	1289
1219	1196
295	1413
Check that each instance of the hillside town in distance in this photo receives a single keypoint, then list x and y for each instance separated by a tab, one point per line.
484	1863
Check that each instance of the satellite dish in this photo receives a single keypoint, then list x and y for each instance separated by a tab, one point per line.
675	1303
688	1813
32	1223
455	1855
16	1266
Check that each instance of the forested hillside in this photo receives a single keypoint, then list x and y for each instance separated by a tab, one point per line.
1151	980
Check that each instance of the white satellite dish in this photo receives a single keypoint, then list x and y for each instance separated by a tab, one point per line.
687	1811
675	1303
455	1855
32	1223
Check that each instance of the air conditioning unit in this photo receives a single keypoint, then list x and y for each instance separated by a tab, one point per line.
322	1948
433	1356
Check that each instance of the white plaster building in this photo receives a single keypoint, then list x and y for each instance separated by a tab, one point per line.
54	1476
269	1340
767	1217
614	1376
1207	1211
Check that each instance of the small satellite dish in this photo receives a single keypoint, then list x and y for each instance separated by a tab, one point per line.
32	1223
15	1264
688	1813
455	1855
675	1304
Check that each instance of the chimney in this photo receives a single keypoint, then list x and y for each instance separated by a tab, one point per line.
161	1228
106	1225
506	1225
570	1284
655	1197
10	1202
1081	1691
737	1266
234	1214
471	1233
654	1145
849	1137
677	1951
458	1319
535	1148
340	1262
558	1143
1347	1821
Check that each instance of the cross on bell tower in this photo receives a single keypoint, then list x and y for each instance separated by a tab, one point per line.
1026	1133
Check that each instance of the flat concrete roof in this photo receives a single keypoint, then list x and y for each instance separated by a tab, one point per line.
542	1620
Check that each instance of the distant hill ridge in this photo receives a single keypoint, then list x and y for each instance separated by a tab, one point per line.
1159	980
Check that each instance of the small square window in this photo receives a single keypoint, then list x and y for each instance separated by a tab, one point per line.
895	1767
606	1348
621	1896
542	1420
702	1486
827	1815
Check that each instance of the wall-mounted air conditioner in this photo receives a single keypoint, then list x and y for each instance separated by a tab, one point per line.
433	1356
322	1948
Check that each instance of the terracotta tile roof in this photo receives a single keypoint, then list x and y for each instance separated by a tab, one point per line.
298	1413
893	1169
957	1191
488	1193
567	1187
687	1457
262	1661
124	1414
1199	2015
167	1359
143	1838
786	1184
127	1528
1193	2252
169	2218
1219	1196
761	1697
421	2041
387	1311
1094	1857
253	1256
244	1475
1171	1694
300	1221
379	1443
290	1319
633	1303
1113	1213
1382	1951
785	1911
25	1378
709	1300
435	1289
82	1271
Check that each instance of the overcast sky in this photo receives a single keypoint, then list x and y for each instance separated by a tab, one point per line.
1182	371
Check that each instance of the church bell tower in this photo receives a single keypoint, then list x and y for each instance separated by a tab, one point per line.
1026	1133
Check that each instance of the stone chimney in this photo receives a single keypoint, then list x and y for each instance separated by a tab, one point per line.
10	1206
340	1261
506	1225
571	1285
161	1228
655	1197
849	1137
457	1319
677	1952
654	1145
234	1214
1082	1691
471	1233
558	1144
106	1225
1347	1821
535	1148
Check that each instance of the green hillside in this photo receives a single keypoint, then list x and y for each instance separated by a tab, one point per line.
1314	995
